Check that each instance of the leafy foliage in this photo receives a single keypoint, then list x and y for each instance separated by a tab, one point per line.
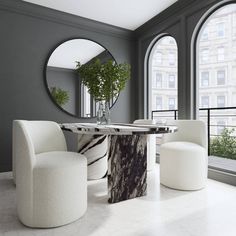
224	145
60	96
104	80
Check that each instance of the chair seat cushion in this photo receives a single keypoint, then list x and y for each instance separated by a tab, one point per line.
58	159
180	146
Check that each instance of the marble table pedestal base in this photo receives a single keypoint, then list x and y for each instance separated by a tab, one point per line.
127	167
95	148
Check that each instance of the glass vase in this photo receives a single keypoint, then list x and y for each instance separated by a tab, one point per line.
103	113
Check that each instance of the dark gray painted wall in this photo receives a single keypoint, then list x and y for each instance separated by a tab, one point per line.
65	79
28	34
179	21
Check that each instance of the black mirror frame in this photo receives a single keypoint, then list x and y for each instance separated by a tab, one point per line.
45	76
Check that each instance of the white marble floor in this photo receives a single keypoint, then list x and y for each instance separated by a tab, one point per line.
163	212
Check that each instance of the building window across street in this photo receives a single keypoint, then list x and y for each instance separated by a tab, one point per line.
220	77
158	103
220	101
171	81
204	101
171	103
205	79
157	80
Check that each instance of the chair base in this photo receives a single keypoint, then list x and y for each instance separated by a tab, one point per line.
183	189
183	166
59	191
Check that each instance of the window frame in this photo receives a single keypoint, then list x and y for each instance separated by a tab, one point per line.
194	55
147	84
194	94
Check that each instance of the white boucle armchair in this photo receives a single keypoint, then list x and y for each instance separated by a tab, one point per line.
183	156
51	183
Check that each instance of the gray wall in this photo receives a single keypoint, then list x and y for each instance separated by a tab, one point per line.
179	21
29	33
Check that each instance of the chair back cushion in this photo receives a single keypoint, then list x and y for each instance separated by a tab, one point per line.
145	122
45	136
189	131
22	149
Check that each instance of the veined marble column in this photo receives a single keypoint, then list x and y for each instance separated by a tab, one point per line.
127	167
95	148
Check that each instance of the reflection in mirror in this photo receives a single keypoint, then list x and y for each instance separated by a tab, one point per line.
64	84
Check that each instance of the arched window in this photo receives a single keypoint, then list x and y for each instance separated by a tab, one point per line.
216	73
163	79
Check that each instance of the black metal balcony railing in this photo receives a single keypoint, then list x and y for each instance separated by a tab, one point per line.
216	118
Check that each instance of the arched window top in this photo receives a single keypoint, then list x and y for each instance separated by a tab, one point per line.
164	51
219	24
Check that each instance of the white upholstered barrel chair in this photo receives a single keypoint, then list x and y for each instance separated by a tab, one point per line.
51	183
151	143
183	156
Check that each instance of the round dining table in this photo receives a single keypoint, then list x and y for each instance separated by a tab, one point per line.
127	155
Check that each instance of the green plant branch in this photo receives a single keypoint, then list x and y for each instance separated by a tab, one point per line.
224	145
60	96
103	80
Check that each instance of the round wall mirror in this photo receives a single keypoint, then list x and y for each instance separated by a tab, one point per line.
63	83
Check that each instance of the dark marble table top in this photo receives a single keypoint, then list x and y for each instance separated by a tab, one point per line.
117	129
